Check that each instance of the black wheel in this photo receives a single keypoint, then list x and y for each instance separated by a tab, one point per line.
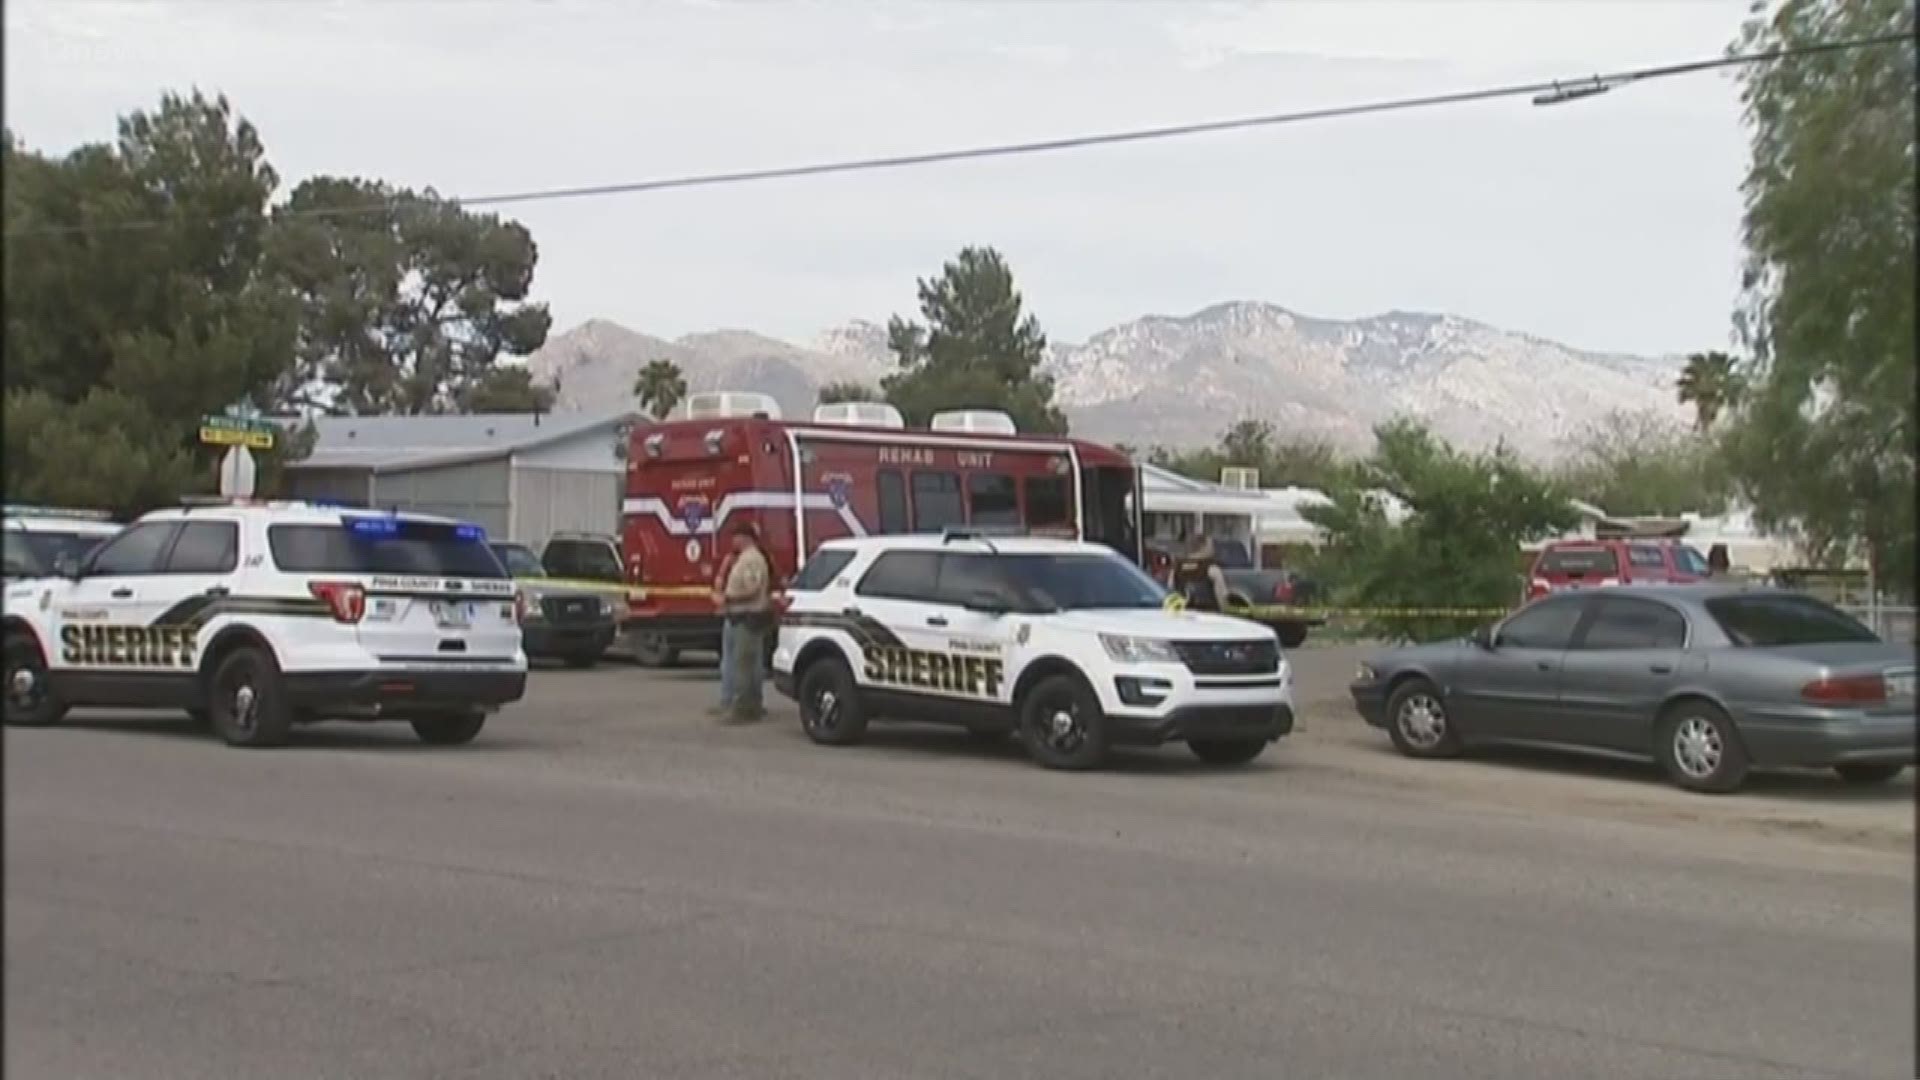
652	650
1700	749
1418	721
831	712
1227	751
246	702
1292	636
1063	726
582	661
1869	773
455	730
30	701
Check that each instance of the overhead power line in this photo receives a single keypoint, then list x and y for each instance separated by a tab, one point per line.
1543	93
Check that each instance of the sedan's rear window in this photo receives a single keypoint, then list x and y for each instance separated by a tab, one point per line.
384	546
1583	561
1762	622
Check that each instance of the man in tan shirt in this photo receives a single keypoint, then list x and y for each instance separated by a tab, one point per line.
747	599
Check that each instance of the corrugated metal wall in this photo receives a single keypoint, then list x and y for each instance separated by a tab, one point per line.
547	501
333	485
474	491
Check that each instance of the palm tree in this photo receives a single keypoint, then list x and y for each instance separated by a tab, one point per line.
660	386
1710	383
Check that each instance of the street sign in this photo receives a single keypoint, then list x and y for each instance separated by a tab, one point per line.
237	473
237	431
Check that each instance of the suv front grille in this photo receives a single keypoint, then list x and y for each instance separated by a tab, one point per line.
1229	657
569	608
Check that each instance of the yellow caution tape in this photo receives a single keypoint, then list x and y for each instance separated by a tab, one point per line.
631	592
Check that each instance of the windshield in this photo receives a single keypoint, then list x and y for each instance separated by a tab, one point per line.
1082	582
519	561
588	560
384	546
1690	561
31	553
1761	622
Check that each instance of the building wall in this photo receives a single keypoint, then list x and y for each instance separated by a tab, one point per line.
347	486
549	500
472	491
590	450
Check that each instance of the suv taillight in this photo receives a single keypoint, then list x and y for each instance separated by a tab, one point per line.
1283	591
519	606
346	599
1846	690
1538	588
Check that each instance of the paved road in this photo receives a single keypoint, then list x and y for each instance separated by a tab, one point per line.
605	886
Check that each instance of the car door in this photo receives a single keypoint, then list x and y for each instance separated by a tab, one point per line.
1620	667
1511	688
978	640
121	591
898	621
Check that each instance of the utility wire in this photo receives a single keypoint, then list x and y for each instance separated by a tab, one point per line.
1544	93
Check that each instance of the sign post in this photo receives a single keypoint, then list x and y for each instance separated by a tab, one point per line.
237	473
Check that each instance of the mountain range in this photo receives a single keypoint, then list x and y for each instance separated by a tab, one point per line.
1179	381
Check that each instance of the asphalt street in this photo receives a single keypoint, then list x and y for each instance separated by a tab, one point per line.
608	885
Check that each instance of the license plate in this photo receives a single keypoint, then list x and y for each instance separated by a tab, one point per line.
1900	686
452	614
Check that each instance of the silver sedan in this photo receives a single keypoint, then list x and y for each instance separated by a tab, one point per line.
1711	681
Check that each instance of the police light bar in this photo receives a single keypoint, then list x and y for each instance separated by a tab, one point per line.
13	510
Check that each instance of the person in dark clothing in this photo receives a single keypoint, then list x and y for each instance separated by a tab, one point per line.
1199	579
1718	564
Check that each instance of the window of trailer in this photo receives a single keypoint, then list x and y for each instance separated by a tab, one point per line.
893	503
993	499
936	502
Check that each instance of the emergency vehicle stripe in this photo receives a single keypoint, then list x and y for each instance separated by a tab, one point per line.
741	500
864	629
199	609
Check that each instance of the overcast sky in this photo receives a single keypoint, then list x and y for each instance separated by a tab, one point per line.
1610	223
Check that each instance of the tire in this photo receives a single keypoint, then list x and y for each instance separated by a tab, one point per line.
1063	726
1418	721
1700	749
1227	751
831	712
247	702
34	705
581	661
652	650
1292	636
455	730
1869	773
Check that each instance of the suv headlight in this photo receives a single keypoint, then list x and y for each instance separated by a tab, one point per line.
1365	673
530	606
1137	650
606	605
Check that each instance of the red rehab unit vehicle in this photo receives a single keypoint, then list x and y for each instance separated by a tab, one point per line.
854	470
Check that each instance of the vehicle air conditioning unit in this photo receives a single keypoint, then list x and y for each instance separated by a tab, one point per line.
730	404
974	421
871	414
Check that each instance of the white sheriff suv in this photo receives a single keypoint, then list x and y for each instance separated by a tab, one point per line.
255	616
1065	643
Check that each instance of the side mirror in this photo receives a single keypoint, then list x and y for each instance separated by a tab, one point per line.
68	565
988	603
1482	637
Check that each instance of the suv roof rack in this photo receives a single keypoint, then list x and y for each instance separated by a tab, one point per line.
985	534
16	510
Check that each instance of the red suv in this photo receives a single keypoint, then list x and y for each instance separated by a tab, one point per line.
1578	564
